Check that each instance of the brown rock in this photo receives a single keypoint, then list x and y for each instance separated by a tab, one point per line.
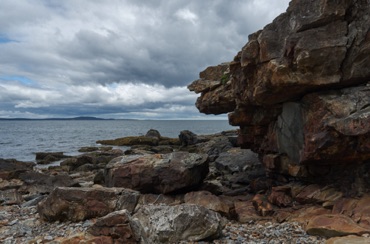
160	173
348	240
118	225
280	196
76	204
215	88
262	206
11	169
245	211
331	225
210	201
301	93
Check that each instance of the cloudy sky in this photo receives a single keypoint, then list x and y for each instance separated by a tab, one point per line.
117	58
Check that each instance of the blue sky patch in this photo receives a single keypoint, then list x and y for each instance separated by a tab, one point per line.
21	79
4	39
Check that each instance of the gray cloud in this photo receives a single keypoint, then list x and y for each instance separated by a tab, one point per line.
117	57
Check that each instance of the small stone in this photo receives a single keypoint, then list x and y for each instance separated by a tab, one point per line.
48	238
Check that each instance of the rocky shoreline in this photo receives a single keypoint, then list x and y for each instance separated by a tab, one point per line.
296	170
108	195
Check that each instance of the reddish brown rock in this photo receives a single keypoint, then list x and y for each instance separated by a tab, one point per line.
348	240
215	87
245	211
262	206
160	173
331	225
76	204
212	202
280	196
119	226
301	92
357	209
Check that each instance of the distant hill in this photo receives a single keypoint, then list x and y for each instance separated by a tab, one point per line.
75	118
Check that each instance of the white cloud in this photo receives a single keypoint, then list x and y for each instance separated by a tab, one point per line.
187	15
134	54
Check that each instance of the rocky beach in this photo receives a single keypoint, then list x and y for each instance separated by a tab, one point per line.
295	171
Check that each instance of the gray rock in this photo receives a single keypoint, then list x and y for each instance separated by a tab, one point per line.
172	224
160	173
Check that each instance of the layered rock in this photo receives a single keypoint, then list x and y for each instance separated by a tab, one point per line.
76	204
301	91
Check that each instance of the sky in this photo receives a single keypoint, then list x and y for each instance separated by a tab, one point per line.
122	59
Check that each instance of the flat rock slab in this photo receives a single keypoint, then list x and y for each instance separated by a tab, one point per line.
349	240
159	173
77	204
331	225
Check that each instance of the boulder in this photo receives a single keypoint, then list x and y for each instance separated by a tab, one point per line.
35	182
159	173
187	138
237	160
331	225
10	197
212	202
11	168
246	212
119	226
49	157
77	204
172	224
153	133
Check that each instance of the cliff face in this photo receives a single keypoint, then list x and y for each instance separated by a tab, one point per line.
299	89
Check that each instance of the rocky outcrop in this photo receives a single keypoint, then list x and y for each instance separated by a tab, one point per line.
301	91
160	173
151	138
215	86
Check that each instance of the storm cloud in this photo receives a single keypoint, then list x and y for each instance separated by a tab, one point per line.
118	58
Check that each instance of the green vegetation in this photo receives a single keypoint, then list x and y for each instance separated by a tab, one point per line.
225	78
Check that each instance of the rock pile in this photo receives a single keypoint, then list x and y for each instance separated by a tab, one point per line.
233	203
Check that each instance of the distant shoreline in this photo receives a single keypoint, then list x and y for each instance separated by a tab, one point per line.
75	118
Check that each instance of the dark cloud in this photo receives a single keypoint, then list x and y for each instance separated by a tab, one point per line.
104	49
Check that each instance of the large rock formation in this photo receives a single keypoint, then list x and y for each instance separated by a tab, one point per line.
300	90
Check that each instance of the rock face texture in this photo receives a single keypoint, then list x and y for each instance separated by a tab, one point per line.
76	204
172	224
159	173
300	90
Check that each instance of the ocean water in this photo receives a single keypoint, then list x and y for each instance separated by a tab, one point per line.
20	139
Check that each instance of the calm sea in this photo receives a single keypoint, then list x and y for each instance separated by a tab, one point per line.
21	139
